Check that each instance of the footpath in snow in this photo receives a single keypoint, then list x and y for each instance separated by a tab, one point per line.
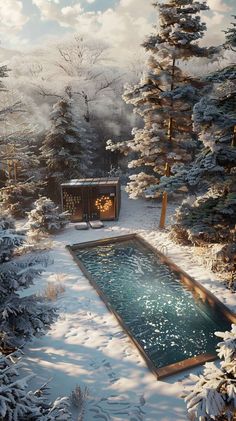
87	347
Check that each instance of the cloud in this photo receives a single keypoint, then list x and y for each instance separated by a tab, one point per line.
124	26
70	12
51	10
217	20
219	6
11	16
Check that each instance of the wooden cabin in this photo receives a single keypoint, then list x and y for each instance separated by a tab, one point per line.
92	198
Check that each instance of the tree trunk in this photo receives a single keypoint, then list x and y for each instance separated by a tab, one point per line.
164	201
234	138
167	167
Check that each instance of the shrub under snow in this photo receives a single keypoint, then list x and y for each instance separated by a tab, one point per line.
212	395
18	403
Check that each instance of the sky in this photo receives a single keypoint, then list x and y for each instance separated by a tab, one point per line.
123	23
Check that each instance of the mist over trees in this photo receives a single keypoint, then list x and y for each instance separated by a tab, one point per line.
59	105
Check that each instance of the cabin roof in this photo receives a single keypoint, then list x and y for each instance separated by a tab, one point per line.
91	182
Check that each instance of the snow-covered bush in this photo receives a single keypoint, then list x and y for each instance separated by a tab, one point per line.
79	398
22	318
18	403
46	218
212	395
225	260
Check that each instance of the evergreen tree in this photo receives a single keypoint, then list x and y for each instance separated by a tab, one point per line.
210	216
10	239
18	160
68	147
212	395
230	36
165	96
3	73
20	317
17	197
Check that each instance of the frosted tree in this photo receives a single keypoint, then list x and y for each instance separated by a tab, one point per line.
18	150
230	36
212	395
10	239
21	318
46	218
18	160
82	64
211	217
165	97
208	215
17	402
17	198
67	148
10	108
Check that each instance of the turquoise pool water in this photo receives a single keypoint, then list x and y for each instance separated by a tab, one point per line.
162	315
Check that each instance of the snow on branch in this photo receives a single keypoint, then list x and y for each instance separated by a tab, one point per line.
212	395
19	403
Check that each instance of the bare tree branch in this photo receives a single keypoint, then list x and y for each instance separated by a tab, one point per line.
11	109
43	92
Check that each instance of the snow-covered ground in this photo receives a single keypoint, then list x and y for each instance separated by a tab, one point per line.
87	347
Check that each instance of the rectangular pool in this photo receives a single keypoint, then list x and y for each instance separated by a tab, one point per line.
168	315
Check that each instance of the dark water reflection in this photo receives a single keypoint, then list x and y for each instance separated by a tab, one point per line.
163	316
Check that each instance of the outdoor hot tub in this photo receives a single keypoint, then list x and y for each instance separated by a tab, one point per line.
169	316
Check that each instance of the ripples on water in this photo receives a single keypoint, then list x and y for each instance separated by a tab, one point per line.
160	312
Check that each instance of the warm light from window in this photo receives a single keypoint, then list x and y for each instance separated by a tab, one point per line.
103	203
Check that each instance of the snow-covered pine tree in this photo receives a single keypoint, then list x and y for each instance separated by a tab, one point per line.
230	36
18	160
21	318
17	197
17	402
17	140
3	73
46	217
165	96
211	216
9	238
68	147
212	395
